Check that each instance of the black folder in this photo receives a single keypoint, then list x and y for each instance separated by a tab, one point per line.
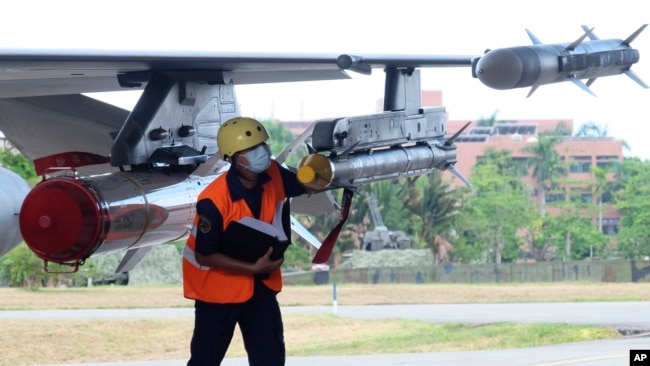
248	240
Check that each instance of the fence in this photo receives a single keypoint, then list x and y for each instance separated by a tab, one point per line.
587	271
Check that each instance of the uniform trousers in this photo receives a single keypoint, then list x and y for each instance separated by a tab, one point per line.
260	322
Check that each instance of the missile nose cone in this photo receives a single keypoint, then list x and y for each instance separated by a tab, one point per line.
315	172
60	220
500	69
306	174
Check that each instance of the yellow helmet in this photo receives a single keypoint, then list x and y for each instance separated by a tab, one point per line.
240	133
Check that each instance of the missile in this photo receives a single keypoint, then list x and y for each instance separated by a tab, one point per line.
14	190
349	152
68	217
320	172
539	64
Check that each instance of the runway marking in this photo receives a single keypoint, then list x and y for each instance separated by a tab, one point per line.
580	360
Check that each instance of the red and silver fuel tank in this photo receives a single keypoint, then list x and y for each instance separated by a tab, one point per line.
68	217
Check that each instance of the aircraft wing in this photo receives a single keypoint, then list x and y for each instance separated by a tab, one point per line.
27	72
42	126
47	125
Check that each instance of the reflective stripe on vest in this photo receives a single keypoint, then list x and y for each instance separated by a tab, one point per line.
216	285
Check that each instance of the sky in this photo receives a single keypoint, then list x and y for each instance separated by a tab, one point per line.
446	27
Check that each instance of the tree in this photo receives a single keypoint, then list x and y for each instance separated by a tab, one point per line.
433	205
603	186
547	165
570	236
504	162
19	164
498	207
489	121
279	138
22	268
591	129
634	204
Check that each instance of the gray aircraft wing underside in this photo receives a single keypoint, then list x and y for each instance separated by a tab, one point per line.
48	125
42	111
32	72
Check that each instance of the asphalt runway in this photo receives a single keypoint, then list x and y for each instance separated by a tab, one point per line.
630	317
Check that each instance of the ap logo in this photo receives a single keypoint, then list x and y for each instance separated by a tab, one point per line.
639	357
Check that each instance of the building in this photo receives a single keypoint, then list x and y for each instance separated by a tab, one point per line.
580	153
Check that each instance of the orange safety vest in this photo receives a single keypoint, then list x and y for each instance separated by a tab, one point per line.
216	285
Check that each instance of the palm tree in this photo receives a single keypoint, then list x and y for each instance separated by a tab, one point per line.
504	163
604	186
546	163
590	129
434	206
487	122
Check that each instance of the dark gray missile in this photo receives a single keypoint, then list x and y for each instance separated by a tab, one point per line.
539	64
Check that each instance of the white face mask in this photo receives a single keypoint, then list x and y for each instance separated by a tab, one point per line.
259	159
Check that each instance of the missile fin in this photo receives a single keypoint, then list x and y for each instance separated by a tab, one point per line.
631	38
590	33
452	169
577	42
132	258
532	37
310	149
532	90
214	165
450	141
297	228
295	143
581	85
636	78
313	204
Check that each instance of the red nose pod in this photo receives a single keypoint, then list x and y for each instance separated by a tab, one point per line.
60	220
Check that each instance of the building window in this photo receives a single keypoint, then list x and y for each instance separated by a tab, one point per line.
580	164
520	160
555	197
610	226
579	195
610	162
606	197
511	129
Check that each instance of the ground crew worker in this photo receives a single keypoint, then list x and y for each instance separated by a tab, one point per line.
228	291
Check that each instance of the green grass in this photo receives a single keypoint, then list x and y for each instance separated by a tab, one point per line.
115	340
76	341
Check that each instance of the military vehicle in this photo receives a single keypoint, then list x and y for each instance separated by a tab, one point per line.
380	237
